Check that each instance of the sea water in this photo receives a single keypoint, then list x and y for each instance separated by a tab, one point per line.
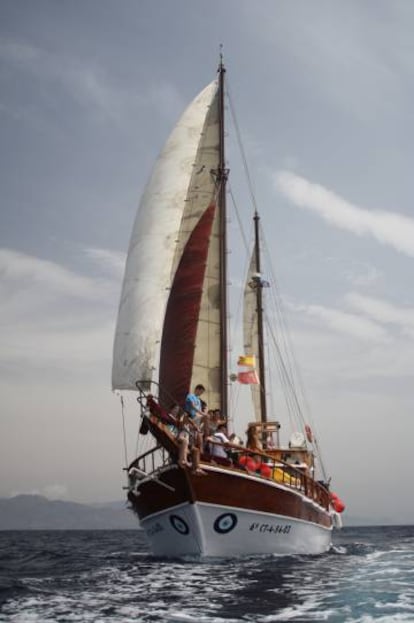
110	576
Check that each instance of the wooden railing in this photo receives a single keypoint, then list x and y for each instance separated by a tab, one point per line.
255	462
265	466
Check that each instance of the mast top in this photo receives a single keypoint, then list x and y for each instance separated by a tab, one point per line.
221	68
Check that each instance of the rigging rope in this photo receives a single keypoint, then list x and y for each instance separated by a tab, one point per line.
242	152
124	430
285	361
238	316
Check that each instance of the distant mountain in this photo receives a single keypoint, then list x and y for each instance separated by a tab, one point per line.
35	512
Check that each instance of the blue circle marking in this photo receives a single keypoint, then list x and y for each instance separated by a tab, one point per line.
225	523
179	524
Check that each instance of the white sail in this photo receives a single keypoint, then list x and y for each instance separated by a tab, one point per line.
250	327
152	249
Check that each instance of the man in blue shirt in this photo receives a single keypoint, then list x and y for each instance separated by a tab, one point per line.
192	403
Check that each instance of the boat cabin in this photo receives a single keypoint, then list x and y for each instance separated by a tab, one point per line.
296	453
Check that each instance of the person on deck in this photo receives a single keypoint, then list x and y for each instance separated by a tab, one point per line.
183	438
205	424
219	438
192	403
173	417
232	453
253	442
219	418
215	420
189	439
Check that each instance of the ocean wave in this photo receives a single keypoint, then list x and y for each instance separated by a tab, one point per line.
112	578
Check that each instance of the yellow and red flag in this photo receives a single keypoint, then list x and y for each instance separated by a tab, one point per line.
247	360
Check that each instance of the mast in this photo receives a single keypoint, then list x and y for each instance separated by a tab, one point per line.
259	308
222	174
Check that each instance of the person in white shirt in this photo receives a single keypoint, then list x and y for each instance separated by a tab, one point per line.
217	449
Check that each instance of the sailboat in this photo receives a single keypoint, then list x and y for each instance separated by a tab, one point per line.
171	336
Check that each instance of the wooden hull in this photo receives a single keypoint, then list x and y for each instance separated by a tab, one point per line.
226	512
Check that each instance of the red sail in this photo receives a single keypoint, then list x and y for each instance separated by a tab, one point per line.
182	314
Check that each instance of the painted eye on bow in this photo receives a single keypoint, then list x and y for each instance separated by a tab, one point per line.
225	523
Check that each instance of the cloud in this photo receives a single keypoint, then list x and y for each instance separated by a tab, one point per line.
25	271
18	52
368	321
85	83
112	261
68	346
331	359
338	52
365	345
383	311
361	274
387	228
53	316
166	99
343	322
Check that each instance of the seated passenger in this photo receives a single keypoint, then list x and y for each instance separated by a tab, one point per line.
233	453
173	417
189	441
235	439
174	411
219	418
253	442
206	425
183	439
217	449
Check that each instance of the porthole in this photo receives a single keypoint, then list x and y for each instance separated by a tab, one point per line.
225	523
179	524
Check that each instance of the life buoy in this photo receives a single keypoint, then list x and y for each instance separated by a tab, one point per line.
248	462
337	503
308	432
265	470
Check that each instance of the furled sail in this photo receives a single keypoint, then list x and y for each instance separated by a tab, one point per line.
180	189
250	327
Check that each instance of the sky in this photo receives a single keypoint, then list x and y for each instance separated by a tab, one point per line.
323	91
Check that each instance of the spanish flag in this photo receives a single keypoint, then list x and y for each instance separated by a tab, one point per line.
248	378
247	360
